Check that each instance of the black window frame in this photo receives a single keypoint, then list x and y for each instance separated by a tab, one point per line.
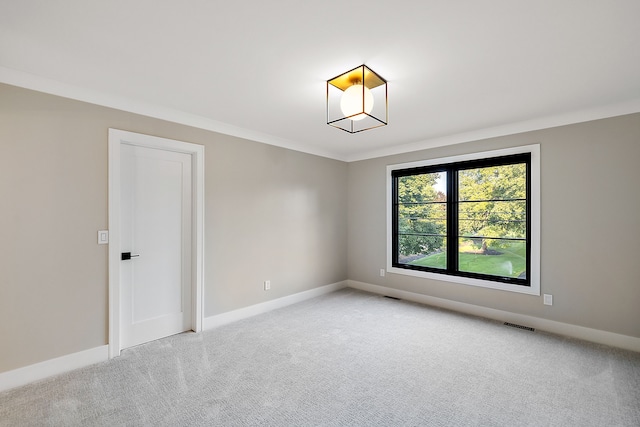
452	233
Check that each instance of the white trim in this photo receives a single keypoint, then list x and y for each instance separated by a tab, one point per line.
116	138
42	84
70	362
579	116
534	273
574	331
53	87
114	247
48	368
253	310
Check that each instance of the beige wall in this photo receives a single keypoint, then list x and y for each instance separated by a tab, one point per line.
271	213
590	221
53	195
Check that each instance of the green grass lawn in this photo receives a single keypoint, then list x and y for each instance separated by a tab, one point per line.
510	263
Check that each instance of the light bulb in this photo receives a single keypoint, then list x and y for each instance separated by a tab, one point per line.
351	102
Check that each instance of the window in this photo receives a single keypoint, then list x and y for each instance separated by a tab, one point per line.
471	219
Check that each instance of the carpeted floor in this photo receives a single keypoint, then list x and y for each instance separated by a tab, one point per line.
345	359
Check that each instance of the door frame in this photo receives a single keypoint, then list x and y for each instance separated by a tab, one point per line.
116	139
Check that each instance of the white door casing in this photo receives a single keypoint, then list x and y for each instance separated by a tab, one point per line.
129	321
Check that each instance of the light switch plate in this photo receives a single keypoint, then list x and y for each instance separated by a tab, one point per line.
548	299
103	237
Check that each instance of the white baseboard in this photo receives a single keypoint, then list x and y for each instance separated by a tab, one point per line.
22	376
48	368
574	331
252	310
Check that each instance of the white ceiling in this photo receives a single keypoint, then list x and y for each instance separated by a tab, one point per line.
457	70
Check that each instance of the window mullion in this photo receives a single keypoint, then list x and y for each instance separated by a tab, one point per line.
452	220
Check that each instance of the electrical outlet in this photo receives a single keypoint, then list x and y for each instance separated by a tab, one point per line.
267	285
548	299
382	272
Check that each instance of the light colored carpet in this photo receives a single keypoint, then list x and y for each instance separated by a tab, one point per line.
345	359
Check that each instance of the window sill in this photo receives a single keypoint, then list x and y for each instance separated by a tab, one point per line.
534	289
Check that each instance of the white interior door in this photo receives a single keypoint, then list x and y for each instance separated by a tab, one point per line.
155	232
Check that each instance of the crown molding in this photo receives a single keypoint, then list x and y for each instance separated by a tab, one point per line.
53	87
41	84
602	112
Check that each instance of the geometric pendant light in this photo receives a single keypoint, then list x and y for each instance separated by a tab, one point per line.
357	100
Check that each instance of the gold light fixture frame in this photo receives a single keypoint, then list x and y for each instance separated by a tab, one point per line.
377	117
